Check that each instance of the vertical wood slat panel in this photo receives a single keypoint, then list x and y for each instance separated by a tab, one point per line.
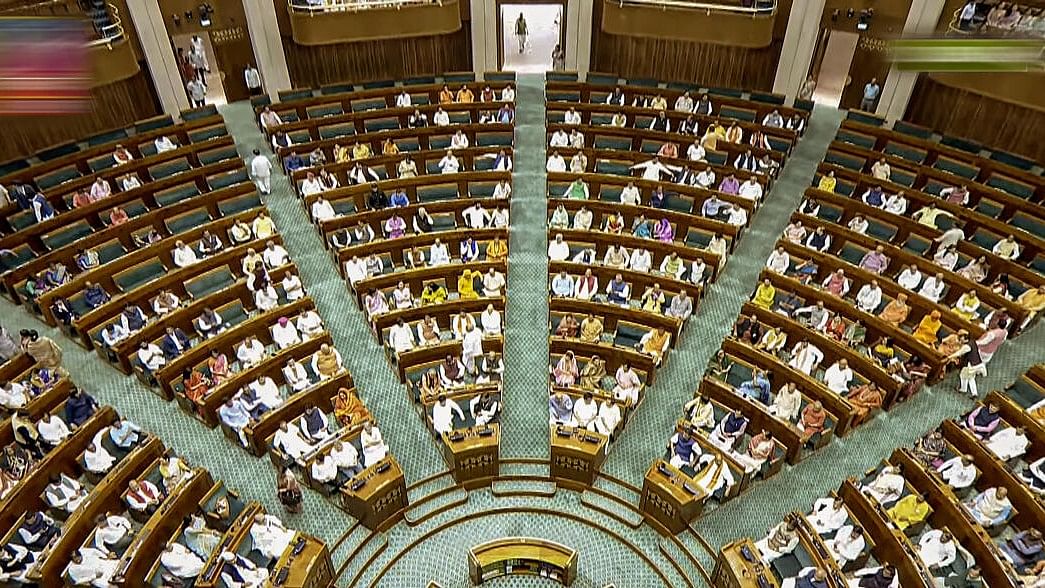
995	123
312	66
114	105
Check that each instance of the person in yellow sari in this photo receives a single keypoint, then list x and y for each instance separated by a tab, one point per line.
348	408
827	183
341	154
361	151
927	328
909	511
591	329
389	147
446	96
593	373
967	305
466	285
497	250
764	295
433	293
655	343
896	311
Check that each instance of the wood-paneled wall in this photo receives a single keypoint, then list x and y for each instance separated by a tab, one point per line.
958	112
113	105
378	60
703	63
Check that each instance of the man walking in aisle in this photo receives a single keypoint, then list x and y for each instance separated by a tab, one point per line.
261	172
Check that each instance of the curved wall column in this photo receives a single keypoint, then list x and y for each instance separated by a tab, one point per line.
156	47
268	46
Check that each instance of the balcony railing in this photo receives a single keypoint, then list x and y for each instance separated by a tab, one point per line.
758	7
109	33
318	7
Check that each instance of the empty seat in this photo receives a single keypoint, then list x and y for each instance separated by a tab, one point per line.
334	131
151	124
364	104
106	137
881	231
170	168
294	94
737	113
905	151
336	89
913	130
956	167
563	96
226	179
110	251
1013	160
213	281
236	205
66	235
963	144
57	177
217	155
610	166
381	124
199	113
500	139
768	98
1007	184
187	221
176	194
17	257
57	151
848	161
208	133
615	143
852	137
436	192
139	275
1029	223
101	162
322	110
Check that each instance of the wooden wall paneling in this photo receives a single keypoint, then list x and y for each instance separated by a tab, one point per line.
113	105
312	66
995	123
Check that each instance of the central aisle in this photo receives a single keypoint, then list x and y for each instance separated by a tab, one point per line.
525	419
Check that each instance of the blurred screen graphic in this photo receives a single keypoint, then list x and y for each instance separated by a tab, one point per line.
44	68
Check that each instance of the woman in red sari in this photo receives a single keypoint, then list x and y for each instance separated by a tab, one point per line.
218	366
196	385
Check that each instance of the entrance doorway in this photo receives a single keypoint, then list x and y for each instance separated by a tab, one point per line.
530	52
834	68
212	79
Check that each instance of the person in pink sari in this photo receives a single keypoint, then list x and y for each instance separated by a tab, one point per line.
395	227
664	232
218	366
566	371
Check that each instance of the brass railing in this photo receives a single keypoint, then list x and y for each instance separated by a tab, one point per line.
758	7
328	6
112	32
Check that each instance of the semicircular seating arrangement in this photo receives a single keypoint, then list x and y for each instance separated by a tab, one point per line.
409	188
873	291
85	492
638	229
962	502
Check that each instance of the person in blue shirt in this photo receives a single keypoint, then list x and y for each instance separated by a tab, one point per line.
94	295
809	578
871	91
399	198
294	162
684	451
79	407
174	343
617	291
757	388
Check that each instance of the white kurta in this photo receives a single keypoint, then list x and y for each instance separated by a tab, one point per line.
443	415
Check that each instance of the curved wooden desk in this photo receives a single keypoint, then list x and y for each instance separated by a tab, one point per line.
522	555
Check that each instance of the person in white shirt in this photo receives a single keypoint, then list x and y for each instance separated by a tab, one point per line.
737	216
910	277
151	357
932	288
696	151
274	254
326	350
346	458
788	401
440	118
324	470
869	297
311	185
778	260
896	203
250	352
937	549
322	210
706	177
183	255
285	334
64	493
751	189
438	253
401	336
959	472
374	448
559	139
490	319
684	103
828	514
499	218
558	250
585	411
295	376
838	376
484	407
805	357
443	414
269	536
266	298
292	286
471	347
309	324
288	440
13	395
508	94
641	260
1007	248
608	419
355	270
502	190
858	224
630	195
52	430
143	495
586	286
493	282
476	216
404	100
449	164
1009	443
556	163
654	169
459	141
576	139
261	172
572	117
267	392
847	544
164	144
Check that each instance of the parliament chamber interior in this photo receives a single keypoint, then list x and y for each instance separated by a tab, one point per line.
437	294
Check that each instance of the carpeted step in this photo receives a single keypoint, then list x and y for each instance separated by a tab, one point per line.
611	507
523	487
359	560
683	561
425	509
